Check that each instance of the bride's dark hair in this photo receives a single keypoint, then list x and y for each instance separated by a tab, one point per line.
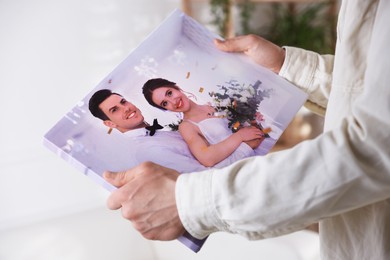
153	84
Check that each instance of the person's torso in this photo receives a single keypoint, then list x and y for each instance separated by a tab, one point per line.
363	233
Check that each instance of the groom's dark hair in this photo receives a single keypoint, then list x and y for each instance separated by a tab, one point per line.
97	98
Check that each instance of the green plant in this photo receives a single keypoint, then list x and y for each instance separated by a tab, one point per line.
310	26
307	28
221	12
220	9
246	11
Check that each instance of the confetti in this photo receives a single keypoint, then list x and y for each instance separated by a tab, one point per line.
220	114
267	130
235	104
109	130
201	90
188	75
236	125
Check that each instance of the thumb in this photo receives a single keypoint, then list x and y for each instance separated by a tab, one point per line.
118	179
237	44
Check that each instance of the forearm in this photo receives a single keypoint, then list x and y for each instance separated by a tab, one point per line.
209	155
264	197
345	168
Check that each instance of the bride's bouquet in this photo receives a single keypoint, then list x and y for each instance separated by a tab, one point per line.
240	104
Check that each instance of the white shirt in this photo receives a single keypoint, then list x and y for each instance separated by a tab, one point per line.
341	178
166	148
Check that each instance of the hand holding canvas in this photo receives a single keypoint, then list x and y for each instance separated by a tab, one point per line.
146	196
261	51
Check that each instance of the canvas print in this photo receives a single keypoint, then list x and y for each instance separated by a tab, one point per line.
178	101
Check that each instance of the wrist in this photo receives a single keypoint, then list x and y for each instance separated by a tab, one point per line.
282	57
238	137
196	213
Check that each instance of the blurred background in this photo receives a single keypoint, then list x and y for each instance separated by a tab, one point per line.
54	52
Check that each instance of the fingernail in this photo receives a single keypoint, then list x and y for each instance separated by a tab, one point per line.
217	41
108	175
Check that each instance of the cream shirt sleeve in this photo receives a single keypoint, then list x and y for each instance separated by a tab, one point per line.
345	168
310	72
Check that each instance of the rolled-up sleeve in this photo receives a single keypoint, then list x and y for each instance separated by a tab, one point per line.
345	168
283	192
310	72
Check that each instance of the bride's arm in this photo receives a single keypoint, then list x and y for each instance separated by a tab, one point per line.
255	142
211	154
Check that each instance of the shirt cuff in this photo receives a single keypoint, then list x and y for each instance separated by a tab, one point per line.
195	206
311	73
299	67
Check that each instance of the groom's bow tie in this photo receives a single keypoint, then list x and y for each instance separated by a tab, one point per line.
154	127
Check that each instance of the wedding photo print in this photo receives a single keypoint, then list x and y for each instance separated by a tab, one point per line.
178	101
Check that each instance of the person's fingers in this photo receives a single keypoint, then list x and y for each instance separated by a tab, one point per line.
118	179
237	44
115	200
260	50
